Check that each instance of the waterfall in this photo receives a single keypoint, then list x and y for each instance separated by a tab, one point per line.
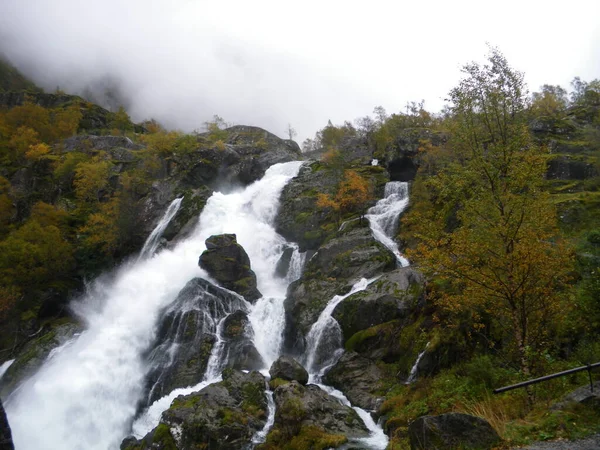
383	217
324	339
85	396
153	240
261	436
412	377
324	348
4	367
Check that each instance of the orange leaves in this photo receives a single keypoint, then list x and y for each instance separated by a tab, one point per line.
353	195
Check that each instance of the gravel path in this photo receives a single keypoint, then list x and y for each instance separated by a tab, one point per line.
589	443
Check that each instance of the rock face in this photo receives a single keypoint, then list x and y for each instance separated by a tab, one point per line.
340	263
237	334
395	295
187	333
33	355
358	378
288	369
222	416
6	442
401	156
567	168
310	415
283	265
452	431
299	220
227	262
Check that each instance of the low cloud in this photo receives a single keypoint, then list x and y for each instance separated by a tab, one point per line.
270	63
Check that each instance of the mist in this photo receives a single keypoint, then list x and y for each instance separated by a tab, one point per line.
271	64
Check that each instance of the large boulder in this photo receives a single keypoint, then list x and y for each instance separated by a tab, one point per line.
358	378
452	431
339	264
227	262
6	442
222	416
583	395
395	295
288	369
237	335
310	415
185	337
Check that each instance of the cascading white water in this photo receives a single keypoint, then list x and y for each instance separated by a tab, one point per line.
86	395
324	338
412	377
323	349
383	217
261	436
4	367
154	239
377	440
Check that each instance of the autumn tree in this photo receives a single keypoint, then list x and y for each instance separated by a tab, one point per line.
353	196
490	236
121	121
551	101
91	178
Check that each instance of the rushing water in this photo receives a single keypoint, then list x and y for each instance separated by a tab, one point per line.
384	216
4	367
414	371
324	340
154	239
85	396
324	348
86	393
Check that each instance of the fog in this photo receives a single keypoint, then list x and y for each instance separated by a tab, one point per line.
270	63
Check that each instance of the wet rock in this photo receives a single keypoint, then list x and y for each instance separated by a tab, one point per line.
358	378
227	262
333	270
244	156
6	442
288	369
299	220
221	416
308	414
238	333
451	431
31	357
186	335
395	295
283	265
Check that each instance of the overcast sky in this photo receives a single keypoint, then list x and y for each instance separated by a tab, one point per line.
270	63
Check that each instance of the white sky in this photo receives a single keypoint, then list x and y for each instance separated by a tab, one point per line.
270	63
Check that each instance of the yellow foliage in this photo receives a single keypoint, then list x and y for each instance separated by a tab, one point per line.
161	142
101	229
37	151
353	195
91	178
66	122
23	139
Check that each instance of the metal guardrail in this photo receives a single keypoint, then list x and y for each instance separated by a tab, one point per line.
589	368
